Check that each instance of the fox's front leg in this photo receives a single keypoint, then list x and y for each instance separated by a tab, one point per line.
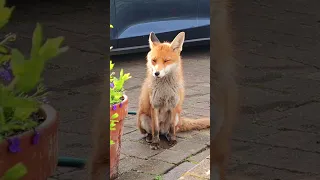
155	128
172	130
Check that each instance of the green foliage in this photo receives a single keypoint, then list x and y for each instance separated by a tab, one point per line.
14	173
158	177
5	13
116	85
116	93
21	97
113	125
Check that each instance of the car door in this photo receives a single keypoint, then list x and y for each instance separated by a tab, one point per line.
135	19
113	32
203	24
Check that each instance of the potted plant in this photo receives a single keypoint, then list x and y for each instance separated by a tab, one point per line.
28	126
118	112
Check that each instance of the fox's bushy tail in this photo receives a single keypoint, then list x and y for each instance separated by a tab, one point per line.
194	124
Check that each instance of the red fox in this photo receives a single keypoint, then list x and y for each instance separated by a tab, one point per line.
162	93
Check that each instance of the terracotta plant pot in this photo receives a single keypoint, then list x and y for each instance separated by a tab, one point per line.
116	135
38	153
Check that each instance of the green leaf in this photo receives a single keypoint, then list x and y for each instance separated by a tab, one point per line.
10	100
121	74
3	50
126	76
2	3
5	14
27	73
15	173
112	142
26	83
17	62
115	116
4	58
113	125
111	65
51	48
37	39
23	113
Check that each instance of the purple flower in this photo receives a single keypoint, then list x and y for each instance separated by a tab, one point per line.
6	75
36	137
111	85
114	107
6	72
14	145
120	104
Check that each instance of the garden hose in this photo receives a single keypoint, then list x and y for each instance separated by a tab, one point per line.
77	162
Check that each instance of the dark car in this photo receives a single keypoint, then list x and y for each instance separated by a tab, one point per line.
133	20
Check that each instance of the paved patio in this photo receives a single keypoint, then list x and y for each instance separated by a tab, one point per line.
277	136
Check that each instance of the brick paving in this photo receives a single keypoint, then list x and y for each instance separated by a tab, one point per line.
277	136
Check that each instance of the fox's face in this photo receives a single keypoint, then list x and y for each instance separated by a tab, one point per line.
164	58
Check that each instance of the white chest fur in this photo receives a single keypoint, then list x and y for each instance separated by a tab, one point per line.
165	92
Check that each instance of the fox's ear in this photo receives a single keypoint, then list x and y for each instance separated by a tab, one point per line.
177	43
153	40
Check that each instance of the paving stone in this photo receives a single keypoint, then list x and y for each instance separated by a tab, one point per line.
129	163
178	171
188	146
296	86
127	130
301	118
203	137
133	136
172	156
131	120
276	157
296	140
122	156
155	167
199	157
62	170
254	132
135	175
245	171
138	149
74	145
200	171
78	174
314	76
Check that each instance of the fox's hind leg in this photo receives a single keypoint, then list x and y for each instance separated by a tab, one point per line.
144	125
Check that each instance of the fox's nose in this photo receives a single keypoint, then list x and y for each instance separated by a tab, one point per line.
157	73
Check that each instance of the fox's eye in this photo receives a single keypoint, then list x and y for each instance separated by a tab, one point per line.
166	61
154	61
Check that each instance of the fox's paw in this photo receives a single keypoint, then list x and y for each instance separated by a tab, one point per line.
149	138
172	142
155	146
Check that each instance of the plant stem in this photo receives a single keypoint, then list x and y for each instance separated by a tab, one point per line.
8	38
2	118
